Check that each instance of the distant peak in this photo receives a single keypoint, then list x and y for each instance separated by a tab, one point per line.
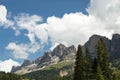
26	62
60	46
54	46
95	36
116	36
57	45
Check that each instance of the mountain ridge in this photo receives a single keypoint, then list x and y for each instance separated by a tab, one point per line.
61	53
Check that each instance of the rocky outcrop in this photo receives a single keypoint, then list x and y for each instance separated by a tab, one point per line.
92	42
26	63
60	53
113	45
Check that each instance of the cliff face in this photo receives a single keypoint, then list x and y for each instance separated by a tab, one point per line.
113	45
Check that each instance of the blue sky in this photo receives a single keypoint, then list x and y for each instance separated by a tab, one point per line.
43	8
30	27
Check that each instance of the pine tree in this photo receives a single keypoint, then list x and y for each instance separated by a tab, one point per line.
99	74
79	72
88	65
94	68
102	58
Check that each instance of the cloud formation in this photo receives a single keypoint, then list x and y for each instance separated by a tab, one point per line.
3	17
108	11
7	65
35	33
21	51
72	29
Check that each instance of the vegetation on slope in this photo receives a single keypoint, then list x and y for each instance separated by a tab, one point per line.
10	76
53	72
100	69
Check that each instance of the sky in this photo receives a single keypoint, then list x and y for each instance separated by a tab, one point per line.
30	27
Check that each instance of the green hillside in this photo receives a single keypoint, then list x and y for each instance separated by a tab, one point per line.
51	72
11	76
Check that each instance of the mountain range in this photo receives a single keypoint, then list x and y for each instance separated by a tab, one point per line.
62	58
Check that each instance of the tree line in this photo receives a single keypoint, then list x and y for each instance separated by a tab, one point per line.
11	76
97	68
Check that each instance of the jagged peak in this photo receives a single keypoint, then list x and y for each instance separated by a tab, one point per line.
58	45
26	62
73	47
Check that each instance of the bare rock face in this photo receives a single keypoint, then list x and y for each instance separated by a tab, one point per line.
15	68
60	53
92	42
26	63
113	45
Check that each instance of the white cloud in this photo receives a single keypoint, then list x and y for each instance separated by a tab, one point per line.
21	51
3	17
108	11
31	23
75	28
3	13
7	65
36	34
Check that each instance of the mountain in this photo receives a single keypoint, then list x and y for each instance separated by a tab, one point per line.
59	54
60	61
112	45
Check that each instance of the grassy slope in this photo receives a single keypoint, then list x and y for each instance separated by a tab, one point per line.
52	71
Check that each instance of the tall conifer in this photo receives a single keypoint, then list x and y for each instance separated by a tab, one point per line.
102	58
79	72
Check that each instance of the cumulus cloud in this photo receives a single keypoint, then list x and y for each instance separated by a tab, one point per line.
31	23
75	28
7	65
3	17
3	13
21	51
35	33
108	11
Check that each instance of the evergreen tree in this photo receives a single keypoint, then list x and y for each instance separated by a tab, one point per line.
79	72
99	74
102	58
88	65
94	68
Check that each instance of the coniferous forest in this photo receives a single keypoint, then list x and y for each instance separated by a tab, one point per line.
96	68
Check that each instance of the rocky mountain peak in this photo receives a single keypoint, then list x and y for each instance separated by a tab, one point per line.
92	42
115	47
26	63
58	51
116	36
